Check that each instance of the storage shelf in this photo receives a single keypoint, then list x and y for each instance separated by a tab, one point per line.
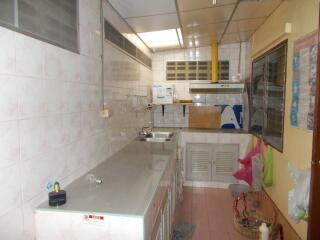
177	104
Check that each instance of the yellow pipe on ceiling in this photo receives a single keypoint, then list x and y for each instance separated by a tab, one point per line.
214	62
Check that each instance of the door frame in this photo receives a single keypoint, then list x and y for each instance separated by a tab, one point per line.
314	203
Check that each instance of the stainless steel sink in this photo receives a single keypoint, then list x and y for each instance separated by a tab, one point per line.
160	135
157	137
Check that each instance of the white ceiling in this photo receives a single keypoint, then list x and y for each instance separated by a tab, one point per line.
229	21
154	23
148	15
139	8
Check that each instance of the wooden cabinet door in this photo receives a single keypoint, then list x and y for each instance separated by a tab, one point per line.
199	161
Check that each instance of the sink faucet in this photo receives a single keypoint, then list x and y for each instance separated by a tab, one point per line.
146	130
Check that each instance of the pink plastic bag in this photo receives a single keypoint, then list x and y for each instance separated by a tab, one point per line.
245	173
255	151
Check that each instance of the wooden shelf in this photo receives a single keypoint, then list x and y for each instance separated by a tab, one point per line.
159	104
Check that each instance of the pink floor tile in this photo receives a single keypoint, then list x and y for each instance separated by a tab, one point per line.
210	210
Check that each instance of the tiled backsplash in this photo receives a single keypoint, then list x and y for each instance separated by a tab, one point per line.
50	123
173	114
172	117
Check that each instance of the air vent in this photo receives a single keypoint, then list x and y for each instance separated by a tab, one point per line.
114	36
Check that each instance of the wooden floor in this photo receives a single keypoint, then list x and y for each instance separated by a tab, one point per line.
210	210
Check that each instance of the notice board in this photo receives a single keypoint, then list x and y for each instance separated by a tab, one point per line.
304	81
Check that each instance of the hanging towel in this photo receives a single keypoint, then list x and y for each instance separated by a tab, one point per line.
267	178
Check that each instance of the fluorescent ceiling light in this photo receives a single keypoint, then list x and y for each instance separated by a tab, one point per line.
180	36
161	39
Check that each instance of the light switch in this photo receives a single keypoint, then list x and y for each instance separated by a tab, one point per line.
106	113
288	27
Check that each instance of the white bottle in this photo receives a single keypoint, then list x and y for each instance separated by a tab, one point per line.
264	232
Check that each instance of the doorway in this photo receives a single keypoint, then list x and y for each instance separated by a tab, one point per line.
314	206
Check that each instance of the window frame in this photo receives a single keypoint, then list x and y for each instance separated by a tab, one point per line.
43	39
260	57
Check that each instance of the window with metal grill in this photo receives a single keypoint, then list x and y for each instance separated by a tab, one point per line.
223	70
267	99
195	70
55	21
114	36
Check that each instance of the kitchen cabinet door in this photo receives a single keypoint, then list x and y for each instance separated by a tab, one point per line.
166	220
159	235
173	195
157	232
225	161
212	162
199	161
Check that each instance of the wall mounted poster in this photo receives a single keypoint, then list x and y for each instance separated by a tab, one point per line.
304	81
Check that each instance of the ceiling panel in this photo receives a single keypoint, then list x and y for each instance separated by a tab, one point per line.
255	9
230	38
211	31
138	8
187	5
206	16
198	42
154	23
201	21
245	25
206	28
245	36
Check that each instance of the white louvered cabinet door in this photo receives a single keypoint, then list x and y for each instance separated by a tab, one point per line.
199	161
225	163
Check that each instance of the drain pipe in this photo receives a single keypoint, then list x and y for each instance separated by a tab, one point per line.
239	62
102	55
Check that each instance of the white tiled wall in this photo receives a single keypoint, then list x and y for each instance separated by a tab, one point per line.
173	116
127	94
127	87
50	125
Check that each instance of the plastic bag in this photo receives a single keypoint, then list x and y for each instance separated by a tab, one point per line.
256	172
298	197
245	174
267	177
251	170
